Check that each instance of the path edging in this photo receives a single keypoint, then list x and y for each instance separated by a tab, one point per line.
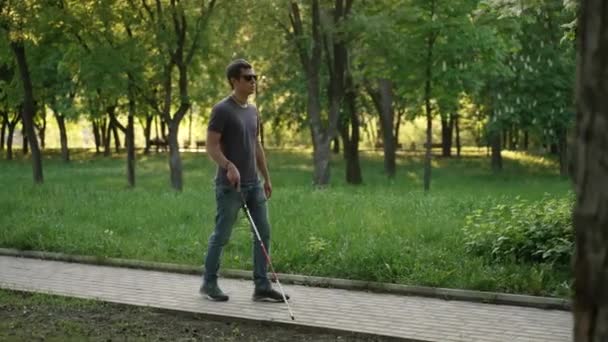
433	292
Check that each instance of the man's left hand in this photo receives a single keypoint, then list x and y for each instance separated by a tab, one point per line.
267	189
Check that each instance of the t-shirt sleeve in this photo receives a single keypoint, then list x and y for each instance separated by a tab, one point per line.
217	122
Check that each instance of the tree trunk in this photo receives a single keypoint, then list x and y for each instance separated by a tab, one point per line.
175	161
147	132
4	116
129	138
63	136
116	137
457	127
590	176
387	118
399	117
515	138
351	141
107	130
526	139
495	141
383	100
321	148
336	145
28	110
9	140
163	129
447	127
310	57
321	157
42	128
427	101
130	141
24	144
97	133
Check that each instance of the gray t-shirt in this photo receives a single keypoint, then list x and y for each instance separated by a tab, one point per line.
239	129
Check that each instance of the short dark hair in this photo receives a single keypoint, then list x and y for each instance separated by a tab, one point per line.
234	69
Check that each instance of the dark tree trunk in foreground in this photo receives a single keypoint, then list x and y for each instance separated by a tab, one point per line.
591	176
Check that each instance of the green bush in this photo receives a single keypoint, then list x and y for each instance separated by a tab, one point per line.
523	231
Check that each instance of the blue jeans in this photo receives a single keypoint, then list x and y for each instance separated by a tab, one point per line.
229	202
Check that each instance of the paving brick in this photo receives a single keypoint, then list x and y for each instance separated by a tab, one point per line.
409	317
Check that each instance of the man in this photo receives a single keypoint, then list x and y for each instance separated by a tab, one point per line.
233	144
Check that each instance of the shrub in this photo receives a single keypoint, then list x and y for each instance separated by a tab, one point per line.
523	231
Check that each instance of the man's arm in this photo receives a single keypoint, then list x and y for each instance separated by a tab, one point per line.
260	159
214	149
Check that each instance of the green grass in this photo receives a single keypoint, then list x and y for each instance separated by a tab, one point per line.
384	230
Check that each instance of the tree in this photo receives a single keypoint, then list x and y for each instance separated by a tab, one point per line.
322	134
383	62
340	87
14	21
590	175
535	95
176	29
56	78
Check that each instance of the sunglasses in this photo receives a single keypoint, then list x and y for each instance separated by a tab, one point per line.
248	78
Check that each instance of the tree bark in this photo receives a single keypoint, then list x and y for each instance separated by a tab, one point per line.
495	142
63	136
447	129
28	109
9	142
24	145
351	139
175	161
590	176
107	135
128	131
96	134
383	100
4	116
336	145
130	142
388	115
116	137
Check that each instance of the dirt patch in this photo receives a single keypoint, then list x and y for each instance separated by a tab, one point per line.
37	317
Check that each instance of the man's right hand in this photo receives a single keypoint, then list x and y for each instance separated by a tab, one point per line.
234	177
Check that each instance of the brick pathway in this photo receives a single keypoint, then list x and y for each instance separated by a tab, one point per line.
415	318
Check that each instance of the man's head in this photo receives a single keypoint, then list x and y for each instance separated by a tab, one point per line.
241	76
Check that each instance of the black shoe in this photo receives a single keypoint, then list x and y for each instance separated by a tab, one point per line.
269	295
213	292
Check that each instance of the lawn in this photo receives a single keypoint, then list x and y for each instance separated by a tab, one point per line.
384	230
